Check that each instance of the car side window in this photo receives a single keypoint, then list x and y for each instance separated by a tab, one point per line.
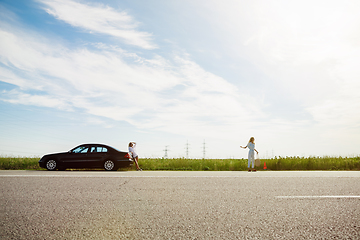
81	149
101	149
93	150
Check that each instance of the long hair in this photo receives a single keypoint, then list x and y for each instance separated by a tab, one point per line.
130	144
252	139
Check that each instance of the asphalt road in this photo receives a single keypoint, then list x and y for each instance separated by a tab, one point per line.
179	205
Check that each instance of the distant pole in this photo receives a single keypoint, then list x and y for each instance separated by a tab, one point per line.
204	149
187	149
166	150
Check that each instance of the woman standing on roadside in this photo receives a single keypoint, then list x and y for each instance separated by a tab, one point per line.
251	155
132	146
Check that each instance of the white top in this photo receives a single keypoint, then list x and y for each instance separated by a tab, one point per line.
133	153
251	146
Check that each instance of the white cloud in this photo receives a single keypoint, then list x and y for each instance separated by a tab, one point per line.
17	97
178	97
8	76
99	19
308	49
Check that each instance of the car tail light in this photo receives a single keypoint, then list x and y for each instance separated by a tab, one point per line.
128	156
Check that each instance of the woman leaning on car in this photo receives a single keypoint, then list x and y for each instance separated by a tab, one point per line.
132	146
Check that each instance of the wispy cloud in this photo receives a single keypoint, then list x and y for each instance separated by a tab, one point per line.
99	18
307	49
175	95
18	97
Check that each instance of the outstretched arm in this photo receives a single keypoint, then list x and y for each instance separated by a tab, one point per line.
243	147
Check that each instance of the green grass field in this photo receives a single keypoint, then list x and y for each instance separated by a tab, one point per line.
19	163
279	163
183	164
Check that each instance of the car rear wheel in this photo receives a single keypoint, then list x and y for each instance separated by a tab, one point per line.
51	165
109	165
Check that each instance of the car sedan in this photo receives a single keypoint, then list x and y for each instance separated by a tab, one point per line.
87	156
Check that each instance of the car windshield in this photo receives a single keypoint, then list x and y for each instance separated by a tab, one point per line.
81	149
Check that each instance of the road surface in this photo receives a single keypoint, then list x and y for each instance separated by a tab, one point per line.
179	205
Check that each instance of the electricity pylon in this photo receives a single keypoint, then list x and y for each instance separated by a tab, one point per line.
204	149
187	149
166	150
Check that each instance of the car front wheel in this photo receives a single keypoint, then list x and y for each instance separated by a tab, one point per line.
109	165
51	165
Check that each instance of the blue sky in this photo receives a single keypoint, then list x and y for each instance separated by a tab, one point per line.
164	73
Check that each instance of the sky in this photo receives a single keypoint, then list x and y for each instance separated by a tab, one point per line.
194	78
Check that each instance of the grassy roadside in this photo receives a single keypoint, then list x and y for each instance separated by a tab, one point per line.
278	163
183	164
19	163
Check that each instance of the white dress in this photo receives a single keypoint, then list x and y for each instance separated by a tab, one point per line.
251	154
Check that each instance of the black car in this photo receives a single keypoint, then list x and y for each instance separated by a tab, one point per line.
87	156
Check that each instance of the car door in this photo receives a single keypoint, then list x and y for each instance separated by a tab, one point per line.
97	155
77	158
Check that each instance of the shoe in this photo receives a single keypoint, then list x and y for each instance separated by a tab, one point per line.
249	170
254	170
139	169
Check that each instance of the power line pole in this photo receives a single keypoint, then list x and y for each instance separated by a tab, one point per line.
204	149
166	150
187	149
